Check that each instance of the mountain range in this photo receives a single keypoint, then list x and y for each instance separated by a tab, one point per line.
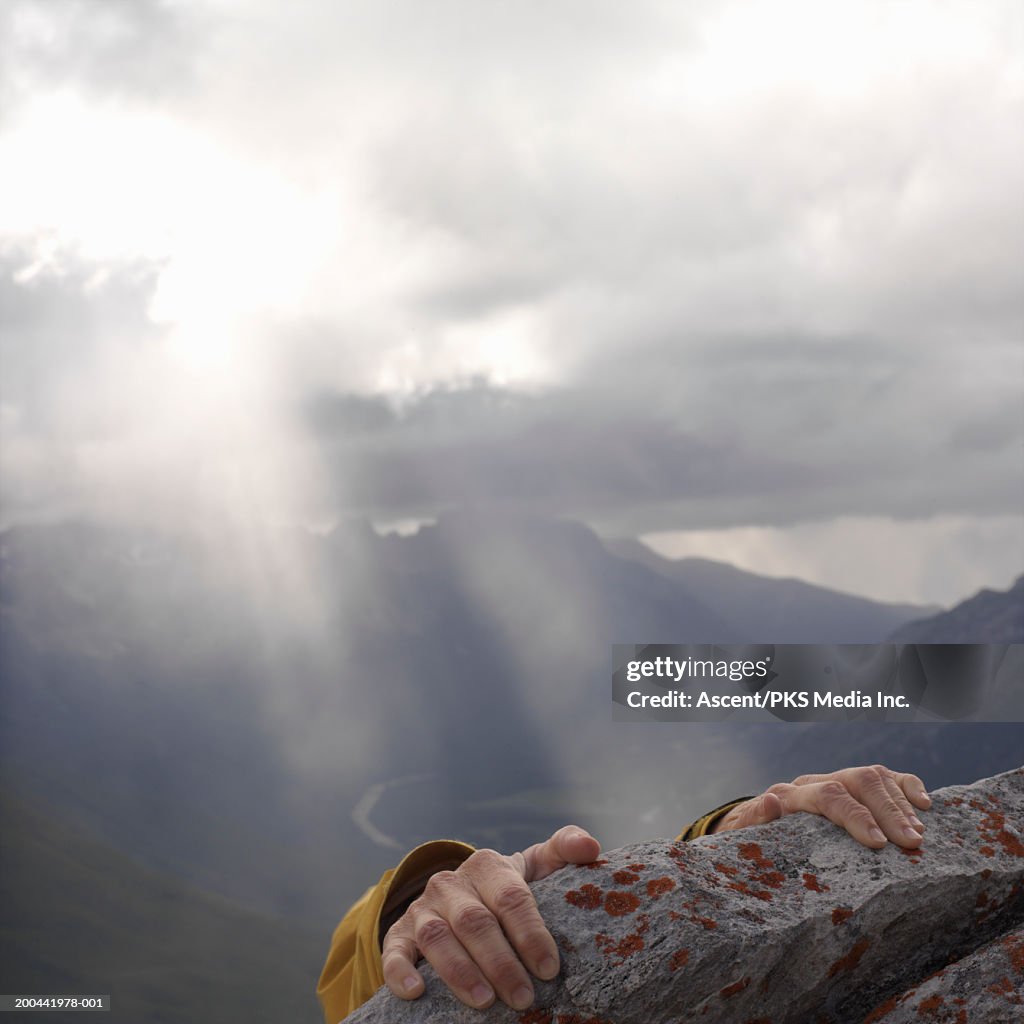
253	724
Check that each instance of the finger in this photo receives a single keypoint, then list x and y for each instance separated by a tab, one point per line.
868	785
914	788
477	930
900	799
398	960
569	845
509	899
834	801
911	785
759	811
434	937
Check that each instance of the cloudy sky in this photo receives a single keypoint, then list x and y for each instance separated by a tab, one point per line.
741	278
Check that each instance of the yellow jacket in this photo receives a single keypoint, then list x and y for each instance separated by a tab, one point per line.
353	970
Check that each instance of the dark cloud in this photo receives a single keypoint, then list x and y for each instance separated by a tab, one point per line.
625	459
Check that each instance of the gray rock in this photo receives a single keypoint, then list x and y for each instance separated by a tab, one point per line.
983	988
788	923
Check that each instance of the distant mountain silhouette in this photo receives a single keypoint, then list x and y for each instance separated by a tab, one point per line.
990	617
770	610
270	717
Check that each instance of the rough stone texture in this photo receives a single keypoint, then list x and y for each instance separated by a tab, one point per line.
790	923
983	988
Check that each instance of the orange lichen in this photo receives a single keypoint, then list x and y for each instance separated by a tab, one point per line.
627	945
742	887
735	988
679	959
841	914
811	882
883	1008
992	829
657	887
625	877
535	1016
753	851
850	961
587	897
618	904
1015	951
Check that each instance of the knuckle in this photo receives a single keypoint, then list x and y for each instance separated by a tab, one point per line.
432	932
833	789
566	831
890	806
472	920
832	793
485	859
513	899
800	780
782	788
394	937
441	882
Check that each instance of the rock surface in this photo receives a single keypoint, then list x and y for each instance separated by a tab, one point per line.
983	988
789	923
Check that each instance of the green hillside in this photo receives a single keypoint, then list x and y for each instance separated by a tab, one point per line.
76	916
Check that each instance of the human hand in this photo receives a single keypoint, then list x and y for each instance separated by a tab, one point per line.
872	803
479	926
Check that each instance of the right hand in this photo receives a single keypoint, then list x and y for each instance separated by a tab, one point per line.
479	926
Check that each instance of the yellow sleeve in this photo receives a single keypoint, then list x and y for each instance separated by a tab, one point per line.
703	825
353	972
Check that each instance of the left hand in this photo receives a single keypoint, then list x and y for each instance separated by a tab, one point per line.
874	804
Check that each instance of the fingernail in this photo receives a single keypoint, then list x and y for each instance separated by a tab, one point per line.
916	822
410	982
909	833
547	968
521	998
877	835
481	994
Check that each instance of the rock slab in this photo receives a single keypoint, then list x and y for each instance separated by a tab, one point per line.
789	923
